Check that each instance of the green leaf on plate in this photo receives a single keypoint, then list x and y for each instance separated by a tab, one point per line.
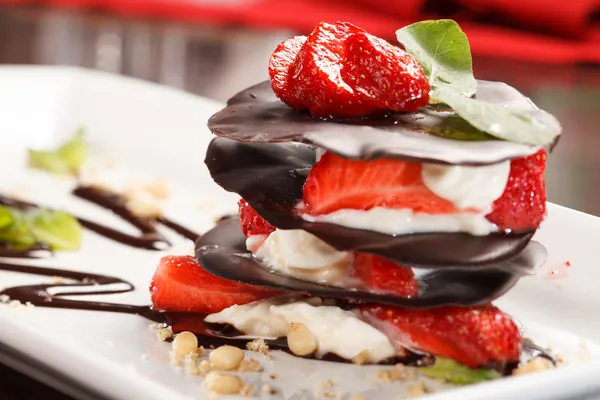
17	231
67	159
458	374
500	122
443	51
23	229
57	228
6	217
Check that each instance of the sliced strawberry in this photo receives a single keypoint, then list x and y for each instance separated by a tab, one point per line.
384	75
475	337
522	206
180	284
280	65
316	77
252	223
336	183
385	276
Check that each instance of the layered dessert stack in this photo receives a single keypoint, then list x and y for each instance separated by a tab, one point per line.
387	199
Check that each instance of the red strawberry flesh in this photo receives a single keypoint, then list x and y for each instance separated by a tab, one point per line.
381	275
280	65
522	206
476	337
384	75
316	78
252	223
181	284
336	183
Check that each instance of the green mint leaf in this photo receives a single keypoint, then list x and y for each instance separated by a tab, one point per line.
443	51
17	231
57	228
67	159
6	217
500	122
458	374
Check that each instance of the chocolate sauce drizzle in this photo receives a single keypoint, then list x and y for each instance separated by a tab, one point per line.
150	238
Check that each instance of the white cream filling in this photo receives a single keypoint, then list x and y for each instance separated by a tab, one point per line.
404	221
337	331
301	255
473	190
467	187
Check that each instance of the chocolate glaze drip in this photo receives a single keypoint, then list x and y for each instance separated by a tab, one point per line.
271	176
428	135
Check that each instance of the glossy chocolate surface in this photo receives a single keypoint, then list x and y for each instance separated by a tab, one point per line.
270	176
256	115
222	252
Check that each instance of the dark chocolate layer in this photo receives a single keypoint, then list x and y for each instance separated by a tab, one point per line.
222	252
270	176
428	135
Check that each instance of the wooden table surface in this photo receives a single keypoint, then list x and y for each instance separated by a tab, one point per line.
217	62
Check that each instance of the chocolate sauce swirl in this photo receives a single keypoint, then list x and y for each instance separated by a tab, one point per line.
150	238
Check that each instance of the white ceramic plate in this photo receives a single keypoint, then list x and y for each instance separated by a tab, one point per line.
139	132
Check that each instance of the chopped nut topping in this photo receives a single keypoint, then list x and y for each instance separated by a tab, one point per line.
163	332
58	280
259	346
534	365
398	373
251	365
418	389
361	357
247	390
268	389
358	396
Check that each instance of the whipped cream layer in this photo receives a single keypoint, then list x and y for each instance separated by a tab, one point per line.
337	331
299	254
473	190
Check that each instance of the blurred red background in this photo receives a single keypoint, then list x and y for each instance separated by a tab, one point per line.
550	31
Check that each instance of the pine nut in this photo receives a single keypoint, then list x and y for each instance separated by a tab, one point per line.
223	383
301	340
226	358
184	344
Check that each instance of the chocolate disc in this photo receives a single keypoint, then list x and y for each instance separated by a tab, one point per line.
271	177
222	252
256	115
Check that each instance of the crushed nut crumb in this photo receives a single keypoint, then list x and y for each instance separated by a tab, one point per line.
534	365
358	396
250	365
268	389
164	333
361	357
259	346
418	389
400	372
58	280
247	390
